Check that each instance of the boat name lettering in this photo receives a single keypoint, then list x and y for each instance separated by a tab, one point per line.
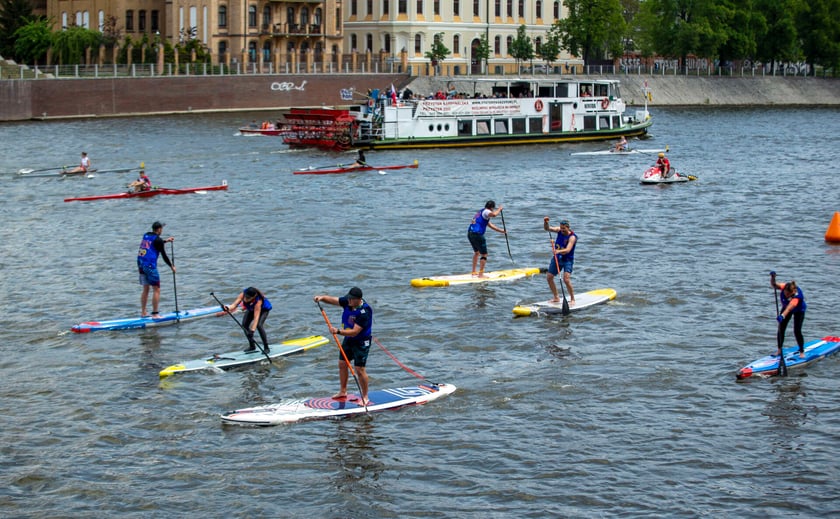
466	107
286	86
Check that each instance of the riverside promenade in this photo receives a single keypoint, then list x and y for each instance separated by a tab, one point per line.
45	99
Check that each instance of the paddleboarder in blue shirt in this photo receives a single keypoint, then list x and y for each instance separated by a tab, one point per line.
257	307
475	233
152	246
564	255
793	305
356	327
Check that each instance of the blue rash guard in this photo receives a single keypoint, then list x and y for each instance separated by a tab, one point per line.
801	307
266	304
147	256
479	222
356	348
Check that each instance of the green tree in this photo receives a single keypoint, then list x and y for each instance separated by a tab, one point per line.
14	14
439	51
550	48
819	32
482	52
521	48
745	23
33	40
779	40
70	44
594	29
678	28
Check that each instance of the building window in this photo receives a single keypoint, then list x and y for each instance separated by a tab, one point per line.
476	10
386	7
252	16
387	44
497	46
402	6
521	8
420	7
498	8
510	8
537	44
155	20
353	43
539	8
369	42
456	44
556	10
418	44
354	8
304	16
456	7
129	20
370	7
508	44
141	20
290	18
222	16
437	7
318	18
266	17
100	16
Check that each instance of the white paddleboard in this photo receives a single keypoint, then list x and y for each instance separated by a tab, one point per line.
329	407
584	300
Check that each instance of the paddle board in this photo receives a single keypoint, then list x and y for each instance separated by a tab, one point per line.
769	365
460	279
584	300
240	358
148	322
328	407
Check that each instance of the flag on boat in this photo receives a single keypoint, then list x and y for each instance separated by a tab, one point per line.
393	94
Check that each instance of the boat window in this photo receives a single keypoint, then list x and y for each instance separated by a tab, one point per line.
602	90
465	127
616	121
561	90
431	128
518	125
545	91
500	126
589	122
603	122
535	125
482	127
439	127
446	127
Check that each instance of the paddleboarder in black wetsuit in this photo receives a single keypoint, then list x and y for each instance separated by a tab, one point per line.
257	307
793	305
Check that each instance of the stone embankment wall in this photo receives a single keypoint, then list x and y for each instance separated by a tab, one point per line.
688	91
109	97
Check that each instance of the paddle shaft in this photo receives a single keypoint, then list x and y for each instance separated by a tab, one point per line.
782	366
262	350
174	283
504	228
343	355
565	310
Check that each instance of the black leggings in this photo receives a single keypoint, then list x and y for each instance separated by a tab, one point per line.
798	317
249	316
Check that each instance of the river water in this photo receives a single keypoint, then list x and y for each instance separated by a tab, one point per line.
627	409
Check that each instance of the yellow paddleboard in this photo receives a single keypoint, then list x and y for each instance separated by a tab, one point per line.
461	279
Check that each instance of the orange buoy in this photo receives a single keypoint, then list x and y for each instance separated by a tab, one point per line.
832	235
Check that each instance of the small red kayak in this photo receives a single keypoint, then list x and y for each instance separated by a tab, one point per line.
152	192
351	169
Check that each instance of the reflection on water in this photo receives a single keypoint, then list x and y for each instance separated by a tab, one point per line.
356	461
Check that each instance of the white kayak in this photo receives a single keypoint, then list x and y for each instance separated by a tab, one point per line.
584	300
612	152
653	175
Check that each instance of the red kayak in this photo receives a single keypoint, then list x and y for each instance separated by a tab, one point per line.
152	192
350	169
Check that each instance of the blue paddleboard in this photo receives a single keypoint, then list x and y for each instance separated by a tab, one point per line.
769	365
149	322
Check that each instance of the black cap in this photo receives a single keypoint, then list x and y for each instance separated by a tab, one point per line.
354	292
157	225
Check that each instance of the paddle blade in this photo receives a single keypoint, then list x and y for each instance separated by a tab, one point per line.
566	310
783	371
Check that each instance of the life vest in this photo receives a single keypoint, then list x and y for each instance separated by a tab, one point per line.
479	222
148	255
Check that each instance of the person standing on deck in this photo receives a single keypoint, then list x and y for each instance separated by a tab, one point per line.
257	307
793	305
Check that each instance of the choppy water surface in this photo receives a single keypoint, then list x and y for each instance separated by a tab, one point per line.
627	409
